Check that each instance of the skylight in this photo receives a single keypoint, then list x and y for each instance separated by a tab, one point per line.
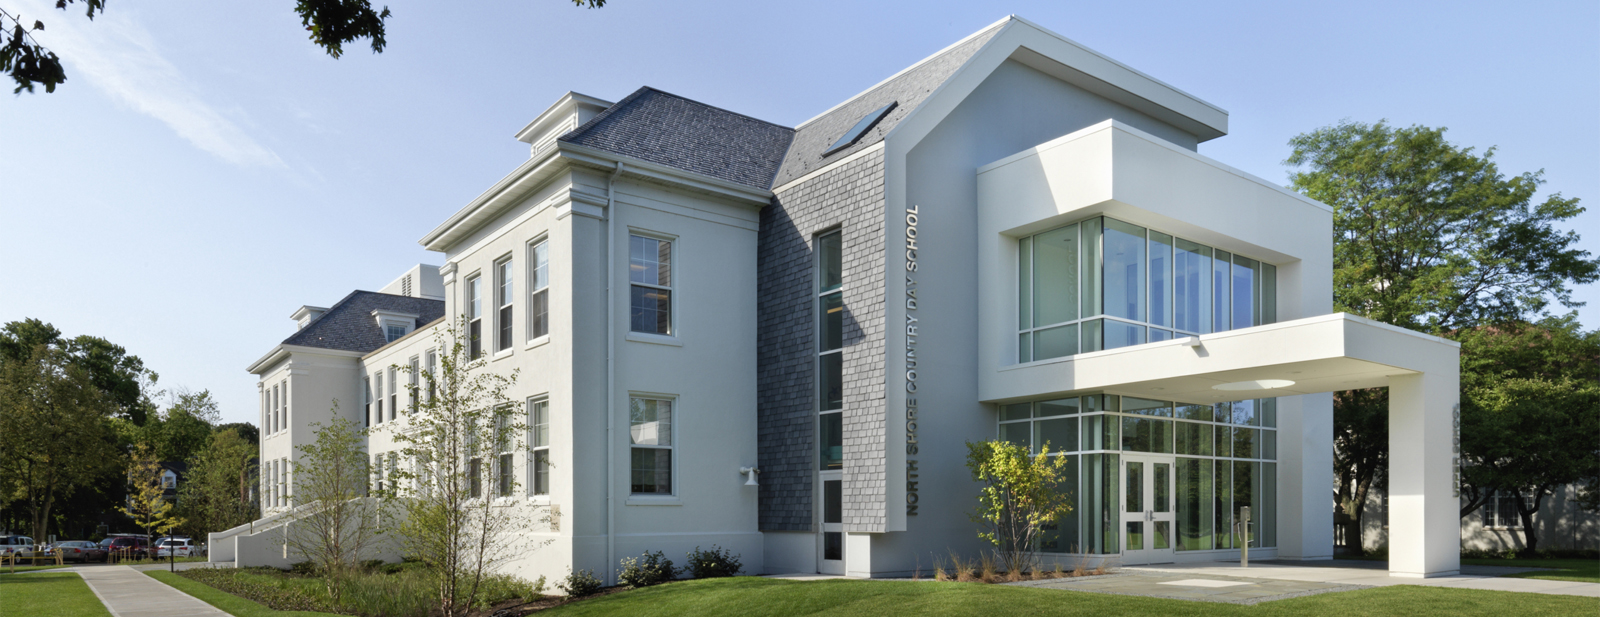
854	134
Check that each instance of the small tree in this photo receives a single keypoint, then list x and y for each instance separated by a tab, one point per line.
147	503
340	524
461	439
215	491
1020	495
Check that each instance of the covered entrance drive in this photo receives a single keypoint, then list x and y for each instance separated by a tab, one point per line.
1300	363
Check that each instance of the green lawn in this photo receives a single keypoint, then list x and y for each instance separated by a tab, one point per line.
61	594
1580	570
756	597
229	603
7	569
1583	570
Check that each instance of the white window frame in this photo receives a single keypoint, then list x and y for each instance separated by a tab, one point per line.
534	447
394	393
505	305
368	395
538	289
379	391
432	359
412	394
672	290
672	447
473	292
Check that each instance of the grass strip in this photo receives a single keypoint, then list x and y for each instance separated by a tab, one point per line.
1579	570
229	603
21	569
63	594
759	597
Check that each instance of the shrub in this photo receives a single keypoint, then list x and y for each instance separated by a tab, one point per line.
713	563
581	583
653	568
305	568
372	564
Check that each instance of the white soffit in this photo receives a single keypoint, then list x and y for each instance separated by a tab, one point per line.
1327	353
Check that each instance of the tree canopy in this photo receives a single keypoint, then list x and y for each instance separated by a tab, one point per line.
1431	236
1530	409
332	24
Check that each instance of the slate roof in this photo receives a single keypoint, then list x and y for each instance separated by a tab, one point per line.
350	326
909	90
668	129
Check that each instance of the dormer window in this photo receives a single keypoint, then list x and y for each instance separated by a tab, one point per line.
394	324
169	480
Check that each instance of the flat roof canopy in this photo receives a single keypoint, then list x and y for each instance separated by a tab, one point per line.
1327	353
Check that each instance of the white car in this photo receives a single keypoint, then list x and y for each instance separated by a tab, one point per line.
21	546
175	547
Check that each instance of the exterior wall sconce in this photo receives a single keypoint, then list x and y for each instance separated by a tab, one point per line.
751	472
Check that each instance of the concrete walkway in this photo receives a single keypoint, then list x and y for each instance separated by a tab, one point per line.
127	592
1364	575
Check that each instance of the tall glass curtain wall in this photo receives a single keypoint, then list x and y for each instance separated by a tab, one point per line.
1225	458
1103	284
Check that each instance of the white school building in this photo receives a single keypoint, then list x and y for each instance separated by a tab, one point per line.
1015	238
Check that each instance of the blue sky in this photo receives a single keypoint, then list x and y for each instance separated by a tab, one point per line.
205	170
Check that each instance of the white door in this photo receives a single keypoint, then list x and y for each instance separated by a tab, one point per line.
830	549
1147	504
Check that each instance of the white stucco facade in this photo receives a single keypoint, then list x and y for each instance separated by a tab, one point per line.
935	201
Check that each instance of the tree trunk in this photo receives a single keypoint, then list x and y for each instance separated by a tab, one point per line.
1530	536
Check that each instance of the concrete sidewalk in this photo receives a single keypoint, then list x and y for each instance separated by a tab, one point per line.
126	592
1358	575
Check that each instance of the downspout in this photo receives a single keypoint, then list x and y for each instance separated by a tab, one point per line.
611	375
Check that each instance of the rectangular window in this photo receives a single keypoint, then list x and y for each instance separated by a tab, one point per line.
650	435
411	391
504	466
379	416
538	290
475	317
1192	287
394	394
650	278
367	396
475	477
830	348
1160	279
1221	313
433	371
502	301
274	427
1103	284
539	442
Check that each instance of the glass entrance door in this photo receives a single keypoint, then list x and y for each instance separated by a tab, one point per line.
1147	509
830	551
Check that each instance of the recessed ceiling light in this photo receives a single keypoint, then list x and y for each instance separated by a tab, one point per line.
1255	384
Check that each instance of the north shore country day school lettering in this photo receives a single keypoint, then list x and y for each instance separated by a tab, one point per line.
911	361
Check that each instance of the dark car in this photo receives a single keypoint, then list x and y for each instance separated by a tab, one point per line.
128	547
81	550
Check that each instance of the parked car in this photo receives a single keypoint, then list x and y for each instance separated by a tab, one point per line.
129	547
176	547
16	546
81	550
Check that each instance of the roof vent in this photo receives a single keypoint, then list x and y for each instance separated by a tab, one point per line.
405	285
866	123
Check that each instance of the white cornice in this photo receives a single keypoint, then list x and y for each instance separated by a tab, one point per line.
283	351
640	168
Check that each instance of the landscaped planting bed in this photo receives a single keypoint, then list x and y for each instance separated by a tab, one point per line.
394	590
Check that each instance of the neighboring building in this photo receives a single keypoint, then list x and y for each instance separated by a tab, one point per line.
1014	237
172	473
1560	524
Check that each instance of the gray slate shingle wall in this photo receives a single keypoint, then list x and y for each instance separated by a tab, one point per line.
848	197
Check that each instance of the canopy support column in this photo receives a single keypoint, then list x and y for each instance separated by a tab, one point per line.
1424	502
